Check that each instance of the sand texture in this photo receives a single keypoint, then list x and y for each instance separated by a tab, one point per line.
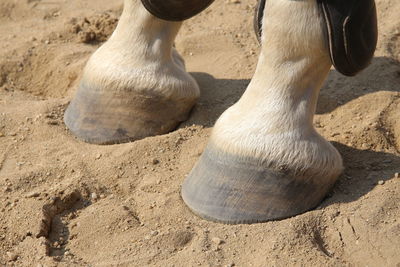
67	203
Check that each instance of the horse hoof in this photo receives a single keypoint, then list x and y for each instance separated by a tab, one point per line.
100	116
230	189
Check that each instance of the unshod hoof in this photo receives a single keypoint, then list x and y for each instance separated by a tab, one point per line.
227	188
104	117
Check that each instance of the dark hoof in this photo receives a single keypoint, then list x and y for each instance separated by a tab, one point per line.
230	189
103	116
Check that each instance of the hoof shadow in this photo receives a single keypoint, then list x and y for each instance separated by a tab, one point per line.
364	170
339	90
217	95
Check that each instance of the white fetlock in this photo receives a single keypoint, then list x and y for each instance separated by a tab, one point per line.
135	85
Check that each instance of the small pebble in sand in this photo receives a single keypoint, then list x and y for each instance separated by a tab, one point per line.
154	233
12	256
7	189
33	194
98	156
381	182
217	241
94	196
155	161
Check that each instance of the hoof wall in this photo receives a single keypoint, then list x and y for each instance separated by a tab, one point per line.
107	117
231	189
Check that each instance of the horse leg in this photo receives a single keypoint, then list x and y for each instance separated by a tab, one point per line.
135	85
265	160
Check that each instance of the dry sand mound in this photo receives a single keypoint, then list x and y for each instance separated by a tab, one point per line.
64	202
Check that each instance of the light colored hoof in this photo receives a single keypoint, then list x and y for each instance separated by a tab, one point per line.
106	117
227	188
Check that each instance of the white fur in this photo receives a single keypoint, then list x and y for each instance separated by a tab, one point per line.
273	119
140	56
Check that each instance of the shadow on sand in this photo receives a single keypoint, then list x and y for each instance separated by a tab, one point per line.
219	94
363	171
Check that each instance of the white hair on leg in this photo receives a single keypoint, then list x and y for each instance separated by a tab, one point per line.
273	119
139	56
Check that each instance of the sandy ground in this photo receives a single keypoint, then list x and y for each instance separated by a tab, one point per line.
67	203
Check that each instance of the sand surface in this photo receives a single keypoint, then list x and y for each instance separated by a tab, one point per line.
67	203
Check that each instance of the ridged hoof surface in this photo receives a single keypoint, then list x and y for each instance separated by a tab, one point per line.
101	116
231	189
